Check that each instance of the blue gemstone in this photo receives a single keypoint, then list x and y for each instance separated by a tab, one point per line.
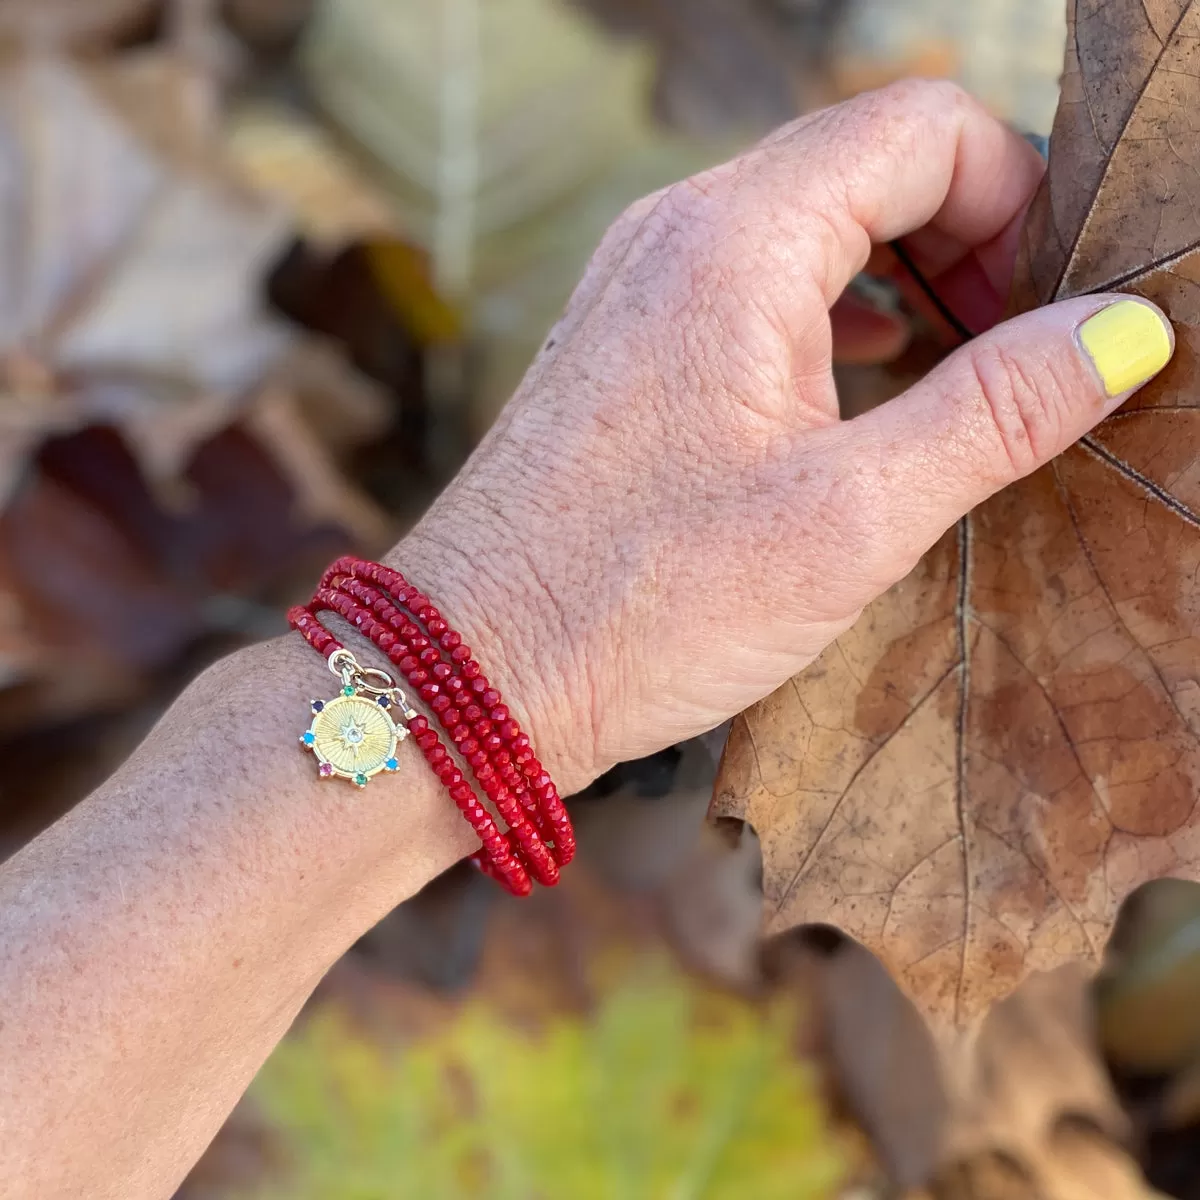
384	702
391	764
308	738
317	705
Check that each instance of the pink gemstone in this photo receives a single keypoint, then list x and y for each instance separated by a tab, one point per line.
325	770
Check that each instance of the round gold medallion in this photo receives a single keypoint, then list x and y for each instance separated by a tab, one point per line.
354	737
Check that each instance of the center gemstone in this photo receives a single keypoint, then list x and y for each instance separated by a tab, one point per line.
353	734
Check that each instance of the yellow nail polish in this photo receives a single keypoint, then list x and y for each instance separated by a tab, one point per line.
1128	342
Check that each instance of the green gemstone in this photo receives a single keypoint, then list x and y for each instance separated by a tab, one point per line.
361	780
347	690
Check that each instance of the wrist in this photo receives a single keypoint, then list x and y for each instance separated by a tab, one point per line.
389	839
517	632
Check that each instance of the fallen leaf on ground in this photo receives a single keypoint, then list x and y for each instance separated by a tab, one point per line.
281	153
132	267
510	136
666	1089
141	299
1008	742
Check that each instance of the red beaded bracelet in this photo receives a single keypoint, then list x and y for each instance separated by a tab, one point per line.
354	736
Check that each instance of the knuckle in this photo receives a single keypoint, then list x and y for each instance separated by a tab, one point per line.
625	227
897	116
908	96
689	214
1022	407
687	244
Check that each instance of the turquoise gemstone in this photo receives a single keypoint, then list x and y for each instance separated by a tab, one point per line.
308	738
391	764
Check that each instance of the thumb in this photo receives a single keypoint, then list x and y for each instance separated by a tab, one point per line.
1004	405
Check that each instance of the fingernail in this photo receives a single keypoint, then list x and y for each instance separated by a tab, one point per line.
1128	342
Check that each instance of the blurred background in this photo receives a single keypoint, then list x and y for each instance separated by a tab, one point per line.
268	269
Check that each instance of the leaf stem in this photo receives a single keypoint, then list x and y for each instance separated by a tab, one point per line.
946	313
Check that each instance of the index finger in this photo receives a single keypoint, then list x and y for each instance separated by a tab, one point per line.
919	155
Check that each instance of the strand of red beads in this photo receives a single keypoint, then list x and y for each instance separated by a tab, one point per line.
441	670
457	709
496	857
445	673
525	842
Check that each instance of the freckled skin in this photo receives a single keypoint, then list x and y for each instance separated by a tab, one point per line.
666	522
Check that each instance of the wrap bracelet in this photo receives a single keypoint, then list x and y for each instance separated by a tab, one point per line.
354	736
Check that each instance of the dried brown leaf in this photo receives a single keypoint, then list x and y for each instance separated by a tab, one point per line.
135	334
1009	741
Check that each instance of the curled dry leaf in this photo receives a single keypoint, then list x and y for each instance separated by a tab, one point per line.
1009	741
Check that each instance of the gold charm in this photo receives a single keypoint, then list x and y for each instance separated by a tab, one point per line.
353	735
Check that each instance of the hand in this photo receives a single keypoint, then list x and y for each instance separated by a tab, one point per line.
669	519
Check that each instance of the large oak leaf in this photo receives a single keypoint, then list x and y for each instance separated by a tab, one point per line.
1009	741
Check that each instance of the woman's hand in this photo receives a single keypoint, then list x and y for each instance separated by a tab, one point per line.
669	519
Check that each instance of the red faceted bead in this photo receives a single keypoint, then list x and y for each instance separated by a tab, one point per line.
369	595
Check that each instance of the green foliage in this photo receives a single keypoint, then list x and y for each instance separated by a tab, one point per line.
668	1092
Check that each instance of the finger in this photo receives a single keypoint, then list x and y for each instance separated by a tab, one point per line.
806	205
996	410
972	284
863	335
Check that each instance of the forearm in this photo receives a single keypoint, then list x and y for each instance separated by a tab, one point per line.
156	943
